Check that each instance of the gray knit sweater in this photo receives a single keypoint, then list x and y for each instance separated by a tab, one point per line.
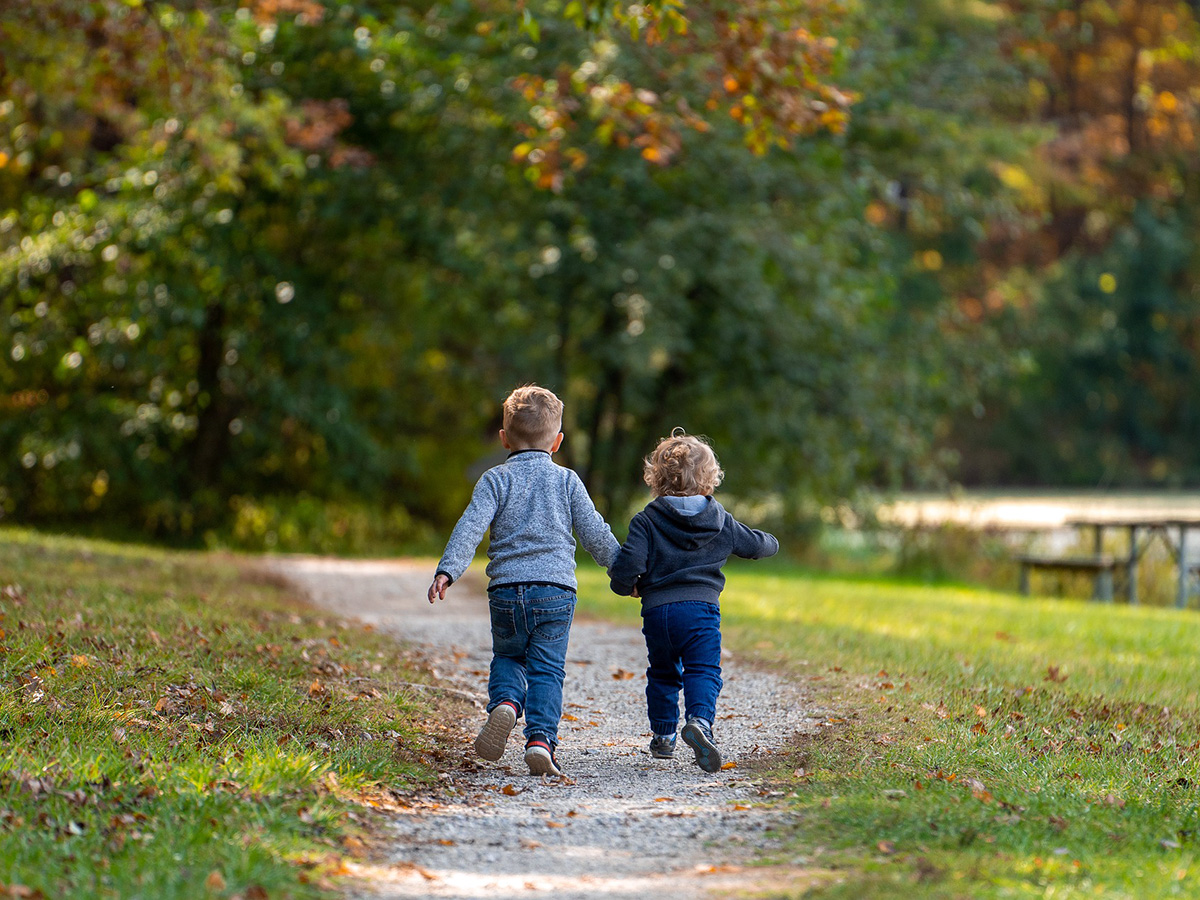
531	505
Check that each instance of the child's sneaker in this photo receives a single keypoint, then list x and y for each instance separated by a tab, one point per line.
697	734
662	746
539	756
494	734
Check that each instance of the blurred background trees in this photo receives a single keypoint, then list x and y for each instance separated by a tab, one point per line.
267	268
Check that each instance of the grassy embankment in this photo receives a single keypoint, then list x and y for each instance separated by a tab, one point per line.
174	726
976	744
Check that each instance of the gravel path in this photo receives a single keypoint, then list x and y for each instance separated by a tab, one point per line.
620	824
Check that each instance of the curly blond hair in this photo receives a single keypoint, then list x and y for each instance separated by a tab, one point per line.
532	416
682	465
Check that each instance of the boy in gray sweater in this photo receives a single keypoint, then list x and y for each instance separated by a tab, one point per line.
531	505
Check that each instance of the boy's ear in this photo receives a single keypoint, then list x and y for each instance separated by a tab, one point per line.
557	443
504	440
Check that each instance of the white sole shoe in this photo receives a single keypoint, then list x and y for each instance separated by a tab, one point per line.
493	737
540	761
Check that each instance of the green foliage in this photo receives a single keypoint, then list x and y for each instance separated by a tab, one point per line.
1107	393
168	716
313	265
306	524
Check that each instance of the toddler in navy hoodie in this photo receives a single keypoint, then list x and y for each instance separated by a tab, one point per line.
672	560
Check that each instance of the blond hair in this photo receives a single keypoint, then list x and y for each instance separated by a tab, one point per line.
682	465
532	417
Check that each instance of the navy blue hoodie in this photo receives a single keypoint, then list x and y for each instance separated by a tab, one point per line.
670	556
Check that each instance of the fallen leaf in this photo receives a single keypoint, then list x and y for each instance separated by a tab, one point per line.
623	675
215	881
15	593
80	662
510	790
664	799
729	765
886	847
316	688
256	892
570	718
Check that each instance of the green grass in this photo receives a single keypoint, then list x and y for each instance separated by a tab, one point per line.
175	725
975	744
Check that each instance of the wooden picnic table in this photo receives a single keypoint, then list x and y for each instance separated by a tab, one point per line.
1142	531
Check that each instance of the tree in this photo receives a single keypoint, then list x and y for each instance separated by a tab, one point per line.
1104	303
283	249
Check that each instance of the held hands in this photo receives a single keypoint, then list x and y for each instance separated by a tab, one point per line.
437	590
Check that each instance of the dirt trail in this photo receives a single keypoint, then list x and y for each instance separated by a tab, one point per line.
621	824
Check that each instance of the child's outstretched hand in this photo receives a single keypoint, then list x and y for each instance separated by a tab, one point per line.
437	590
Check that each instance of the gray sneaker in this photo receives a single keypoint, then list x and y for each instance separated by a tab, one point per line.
494	734
697	734
662	746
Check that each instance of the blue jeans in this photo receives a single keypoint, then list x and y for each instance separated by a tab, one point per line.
683	645
530	627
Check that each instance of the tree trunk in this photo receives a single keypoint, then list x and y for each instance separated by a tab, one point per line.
1132	125
212	431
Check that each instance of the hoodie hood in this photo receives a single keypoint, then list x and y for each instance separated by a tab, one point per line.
687	532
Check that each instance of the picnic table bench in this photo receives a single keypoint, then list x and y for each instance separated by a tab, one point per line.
1101	566
1172	531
